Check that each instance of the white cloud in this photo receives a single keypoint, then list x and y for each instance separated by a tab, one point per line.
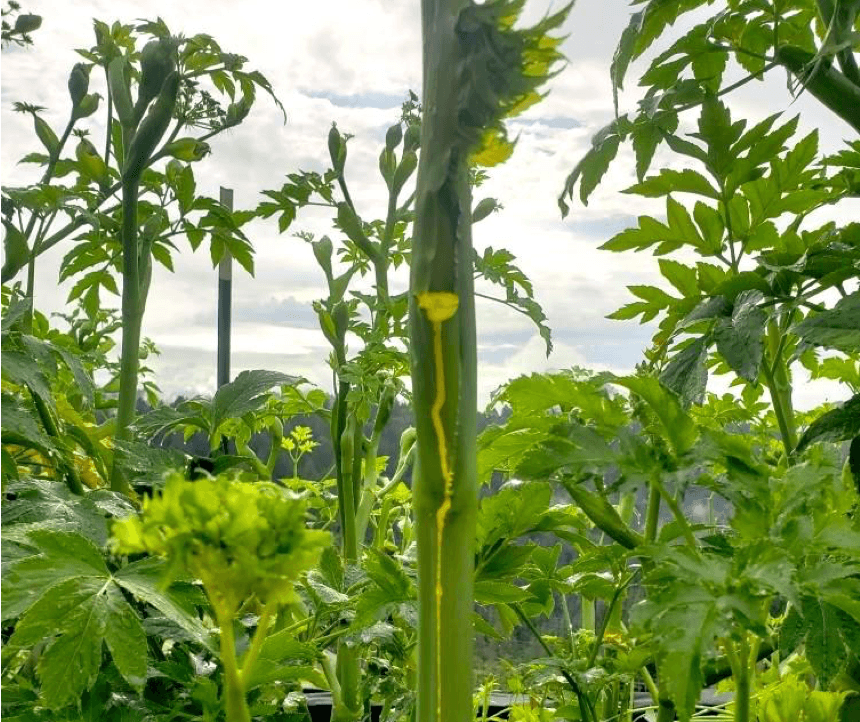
322	59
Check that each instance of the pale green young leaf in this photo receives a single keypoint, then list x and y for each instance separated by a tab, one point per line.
680	276
710	222
681	225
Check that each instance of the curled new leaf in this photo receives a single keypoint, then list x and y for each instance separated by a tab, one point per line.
500	70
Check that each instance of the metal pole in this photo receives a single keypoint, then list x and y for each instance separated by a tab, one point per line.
225	292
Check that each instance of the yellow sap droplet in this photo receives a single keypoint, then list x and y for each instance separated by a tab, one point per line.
438	305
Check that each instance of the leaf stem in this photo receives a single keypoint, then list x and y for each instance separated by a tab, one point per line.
585	705
256	644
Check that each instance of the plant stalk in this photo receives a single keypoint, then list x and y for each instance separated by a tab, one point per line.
132	316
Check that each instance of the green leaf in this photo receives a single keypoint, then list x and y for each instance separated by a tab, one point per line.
74	610
512	511
125	638
746	281
686	374
681	224
248	392
838	327
824	646
658	15
279	653
718	131
678	426
20	369
740	340
493	592
40	504
792	632
63	556
593	166
680	276
145	580
672	181
839	424
584	447
710	222
16	252
624	54
21	427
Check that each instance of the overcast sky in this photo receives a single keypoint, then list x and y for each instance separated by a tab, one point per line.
353	62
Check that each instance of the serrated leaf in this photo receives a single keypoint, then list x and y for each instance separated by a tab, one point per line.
144	579
125	638
70	664
624	54
511	512
710	222
20	369
47	505
62	556
245	394
672	181
740	340
493	592
792	632
838	327
678	426
680	276
839	424
16	252
686	374
824	647
21	427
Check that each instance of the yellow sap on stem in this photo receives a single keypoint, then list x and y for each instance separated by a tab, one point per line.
439	307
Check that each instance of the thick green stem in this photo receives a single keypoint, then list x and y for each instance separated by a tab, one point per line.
328	663
588	618
444	384
781	400
649	685
348	661
652	512
235	704
568	621
740	663
131	324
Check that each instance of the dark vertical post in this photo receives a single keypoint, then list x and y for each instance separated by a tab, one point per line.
225	293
